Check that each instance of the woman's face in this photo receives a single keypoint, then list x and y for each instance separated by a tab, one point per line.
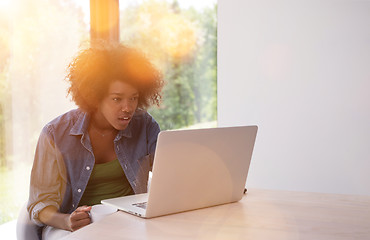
118	106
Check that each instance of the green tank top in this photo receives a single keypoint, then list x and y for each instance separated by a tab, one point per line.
107	180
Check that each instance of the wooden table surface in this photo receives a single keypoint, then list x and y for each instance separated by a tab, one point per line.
261	214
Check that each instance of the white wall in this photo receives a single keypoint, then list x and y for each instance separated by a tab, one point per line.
300	70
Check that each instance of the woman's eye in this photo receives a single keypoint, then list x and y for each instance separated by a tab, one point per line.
116	99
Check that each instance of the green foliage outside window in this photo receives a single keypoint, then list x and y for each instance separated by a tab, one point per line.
183	44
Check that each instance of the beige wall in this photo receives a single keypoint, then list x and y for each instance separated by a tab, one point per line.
300	70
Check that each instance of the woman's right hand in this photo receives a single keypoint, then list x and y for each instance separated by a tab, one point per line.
79	218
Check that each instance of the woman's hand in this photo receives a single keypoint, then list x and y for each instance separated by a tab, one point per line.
70	222
79	218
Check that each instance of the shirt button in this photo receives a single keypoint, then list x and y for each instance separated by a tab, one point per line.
73	205
79	190
125	166
87	168
117	147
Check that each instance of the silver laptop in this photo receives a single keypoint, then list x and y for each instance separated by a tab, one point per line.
194	169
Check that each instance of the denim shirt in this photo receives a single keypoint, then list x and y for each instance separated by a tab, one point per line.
64	159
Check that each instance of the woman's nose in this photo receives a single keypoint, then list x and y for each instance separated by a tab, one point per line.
127	106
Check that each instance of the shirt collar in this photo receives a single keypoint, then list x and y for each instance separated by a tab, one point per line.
82	123
127	132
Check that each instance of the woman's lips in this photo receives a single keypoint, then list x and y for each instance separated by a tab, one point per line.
124	119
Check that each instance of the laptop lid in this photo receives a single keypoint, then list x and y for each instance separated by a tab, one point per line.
199	168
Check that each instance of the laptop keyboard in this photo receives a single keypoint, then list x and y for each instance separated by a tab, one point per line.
140	205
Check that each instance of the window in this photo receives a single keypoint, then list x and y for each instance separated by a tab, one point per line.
38	39
181	36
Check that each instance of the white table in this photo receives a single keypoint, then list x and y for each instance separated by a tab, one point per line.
261	214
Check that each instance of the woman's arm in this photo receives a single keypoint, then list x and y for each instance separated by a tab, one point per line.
71	222
48	177
153	130
48	180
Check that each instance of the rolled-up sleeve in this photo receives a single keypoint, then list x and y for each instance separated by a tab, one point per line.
48	176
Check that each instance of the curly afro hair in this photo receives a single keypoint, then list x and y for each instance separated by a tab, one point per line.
92	71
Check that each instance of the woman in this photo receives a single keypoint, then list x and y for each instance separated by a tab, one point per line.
101	150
